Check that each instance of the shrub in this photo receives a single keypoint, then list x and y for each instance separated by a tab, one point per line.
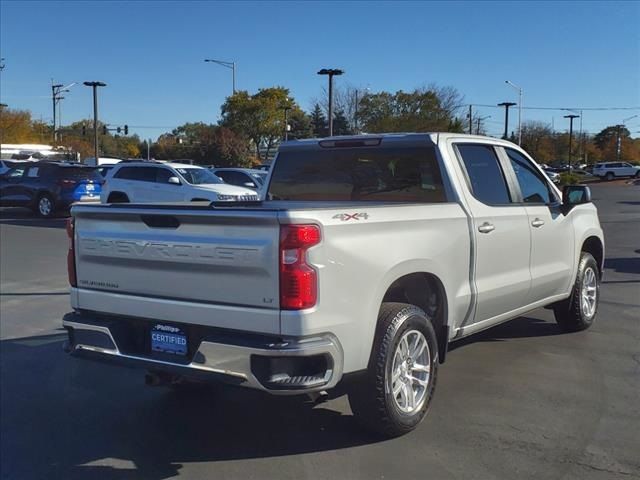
567	178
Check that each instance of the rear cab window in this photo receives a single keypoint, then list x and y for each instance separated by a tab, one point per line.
485	177
381	174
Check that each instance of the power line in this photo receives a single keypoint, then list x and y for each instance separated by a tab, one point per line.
555	108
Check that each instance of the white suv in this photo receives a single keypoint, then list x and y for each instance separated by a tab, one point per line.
611	170
143	182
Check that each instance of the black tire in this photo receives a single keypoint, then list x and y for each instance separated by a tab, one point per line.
117	197
45	206
609	176
571	315
372	400
637	175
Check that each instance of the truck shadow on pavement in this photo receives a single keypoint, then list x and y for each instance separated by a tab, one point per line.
69	418
623	265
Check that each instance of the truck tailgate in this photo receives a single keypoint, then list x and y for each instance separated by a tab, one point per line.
198	256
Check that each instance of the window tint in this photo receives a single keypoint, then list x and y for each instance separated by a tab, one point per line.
233	178
77	173
32	172
141	174
388	174
533	187
487	180
16	172
163	175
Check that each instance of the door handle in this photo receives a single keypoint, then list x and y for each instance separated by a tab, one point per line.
537	223
486	227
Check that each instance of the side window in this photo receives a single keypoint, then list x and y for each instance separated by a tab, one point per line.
485	174
33	172
125	173
16	172
163	175
533	187
141	174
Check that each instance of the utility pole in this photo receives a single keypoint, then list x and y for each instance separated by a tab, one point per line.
355	115
478	120
55	92
230	65
2	107
619	139
570	117
95	86
470	114
506	106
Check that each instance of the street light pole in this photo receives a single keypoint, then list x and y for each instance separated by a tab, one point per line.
479	119
506	106
286	109
231	65
95	86
519	109
571	117
331	72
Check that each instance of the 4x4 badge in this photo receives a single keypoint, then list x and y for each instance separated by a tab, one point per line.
351	216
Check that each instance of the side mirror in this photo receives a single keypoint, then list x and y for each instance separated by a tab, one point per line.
174	181
573	195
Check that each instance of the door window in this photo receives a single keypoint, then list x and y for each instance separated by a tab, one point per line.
141	174
163	175
487	182
33	172
533	187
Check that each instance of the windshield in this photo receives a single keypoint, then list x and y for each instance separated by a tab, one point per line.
259	177
198	176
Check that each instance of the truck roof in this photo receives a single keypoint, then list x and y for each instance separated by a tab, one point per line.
386	138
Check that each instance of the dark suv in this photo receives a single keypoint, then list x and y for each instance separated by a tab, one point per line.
47	187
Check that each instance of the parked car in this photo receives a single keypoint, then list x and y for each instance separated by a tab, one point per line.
365	258
91	161
553	175
48	187
611	170
104	169
142	182
242	177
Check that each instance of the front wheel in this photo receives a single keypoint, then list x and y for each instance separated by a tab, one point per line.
578	312
396	392
609	176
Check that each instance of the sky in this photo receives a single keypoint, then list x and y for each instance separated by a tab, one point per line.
150	54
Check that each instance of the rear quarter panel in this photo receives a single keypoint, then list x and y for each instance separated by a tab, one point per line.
358	260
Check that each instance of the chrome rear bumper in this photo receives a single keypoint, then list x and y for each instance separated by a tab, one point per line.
240	361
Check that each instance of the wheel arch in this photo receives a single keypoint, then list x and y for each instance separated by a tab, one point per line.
595	247
426	291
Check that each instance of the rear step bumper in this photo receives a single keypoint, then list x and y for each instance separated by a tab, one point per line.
269	363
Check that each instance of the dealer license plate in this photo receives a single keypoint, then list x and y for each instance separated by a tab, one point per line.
168	339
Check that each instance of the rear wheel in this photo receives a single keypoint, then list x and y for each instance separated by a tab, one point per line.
579	311
396	392
609	176
46	206
117	197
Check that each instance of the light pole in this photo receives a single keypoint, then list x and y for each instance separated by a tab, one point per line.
571	117
331	72
519	109
231	65
95	86
286	107
506	106
619	139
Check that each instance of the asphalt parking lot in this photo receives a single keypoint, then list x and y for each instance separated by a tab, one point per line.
521	400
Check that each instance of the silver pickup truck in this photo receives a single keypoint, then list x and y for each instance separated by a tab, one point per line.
364	259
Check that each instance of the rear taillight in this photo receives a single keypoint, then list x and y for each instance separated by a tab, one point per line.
67	182
298	280
71	253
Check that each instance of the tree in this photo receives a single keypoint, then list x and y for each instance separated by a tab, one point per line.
423	110
17	126
319	124
300	124
259	117
341	124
